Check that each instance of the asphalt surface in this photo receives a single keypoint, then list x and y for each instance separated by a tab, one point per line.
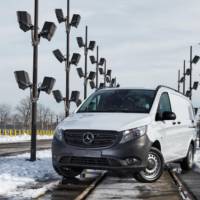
128	188
191	180
21	147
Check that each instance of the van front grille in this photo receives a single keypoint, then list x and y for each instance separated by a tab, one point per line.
91	138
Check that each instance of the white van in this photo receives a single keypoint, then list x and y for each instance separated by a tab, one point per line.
128	130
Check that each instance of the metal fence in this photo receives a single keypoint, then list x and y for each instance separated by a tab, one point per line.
16	132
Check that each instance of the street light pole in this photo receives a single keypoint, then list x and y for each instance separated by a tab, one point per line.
34	87
190	72
86	58
97	68
67	64
179	72
184	76
105	66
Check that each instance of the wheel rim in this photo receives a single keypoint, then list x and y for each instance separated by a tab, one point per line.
153	168
190	158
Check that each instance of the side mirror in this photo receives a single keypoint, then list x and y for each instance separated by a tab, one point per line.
168	116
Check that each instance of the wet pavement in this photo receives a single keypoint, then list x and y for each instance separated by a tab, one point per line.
130	189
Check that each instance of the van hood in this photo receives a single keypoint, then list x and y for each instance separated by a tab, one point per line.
105	121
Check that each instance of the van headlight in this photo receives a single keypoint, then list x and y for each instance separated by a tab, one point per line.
132	134
58	134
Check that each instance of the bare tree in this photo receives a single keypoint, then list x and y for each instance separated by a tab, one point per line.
5	111
24	112
45	117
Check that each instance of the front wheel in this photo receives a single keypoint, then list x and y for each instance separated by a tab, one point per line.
154	168
188	161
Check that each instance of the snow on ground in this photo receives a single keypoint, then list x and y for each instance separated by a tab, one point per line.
20	178
21	138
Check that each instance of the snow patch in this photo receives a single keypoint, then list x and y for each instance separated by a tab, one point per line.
21	138
18	176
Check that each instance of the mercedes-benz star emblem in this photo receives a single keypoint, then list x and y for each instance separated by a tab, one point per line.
88	138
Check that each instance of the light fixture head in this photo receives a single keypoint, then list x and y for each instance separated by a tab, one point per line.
59	56
107	79
57	95
109	71
92	85
75	20
24	20
188	71
195	85
47	84
80	72
101	70
195	59
182	80
92	59
22	79
59	15
75	58
75	96
101	85
113	81
80	41
92	45
102	61
48	30
92	76
188	93
78	103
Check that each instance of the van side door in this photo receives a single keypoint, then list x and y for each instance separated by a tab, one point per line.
166	128
184	123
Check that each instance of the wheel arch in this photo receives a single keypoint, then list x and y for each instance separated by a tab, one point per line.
156	144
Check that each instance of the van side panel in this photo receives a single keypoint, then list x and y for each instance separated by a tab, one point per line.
182	109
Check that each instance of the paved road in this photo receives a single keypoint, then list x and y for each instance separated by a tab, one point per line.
21	147
191	180
130	189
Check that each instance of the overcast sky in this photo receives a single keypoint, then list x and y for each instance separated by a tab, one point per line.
143	41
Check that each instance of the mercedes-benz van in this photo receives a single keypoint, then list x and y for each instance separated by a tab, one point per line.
127	130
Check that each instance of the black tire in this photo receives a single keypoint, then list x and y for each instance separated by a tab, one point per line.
188	162
154	169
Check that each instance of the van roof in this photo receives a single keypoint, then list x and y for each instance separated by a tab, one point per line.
146	88
138	88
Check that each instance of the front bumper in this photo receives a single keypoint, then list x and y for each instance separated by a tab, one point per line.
130	156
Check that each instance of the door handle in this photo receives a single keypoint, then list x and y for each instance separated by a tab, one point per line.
192	126
174	123
178	122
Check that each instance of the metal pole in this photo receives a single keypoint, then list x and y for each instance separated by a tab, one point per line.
97	68
105	73
86	55
67	58
34	89
179	72
184	77
190	72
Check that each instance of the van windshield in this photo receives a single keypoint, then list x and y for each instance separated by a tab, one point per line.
119	100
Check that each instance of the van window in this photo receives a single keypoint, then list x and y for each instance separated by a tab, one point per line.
164	104
181	107
119	100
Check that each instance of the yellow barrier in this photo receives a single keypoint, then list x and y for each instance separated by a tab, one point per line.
16	132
